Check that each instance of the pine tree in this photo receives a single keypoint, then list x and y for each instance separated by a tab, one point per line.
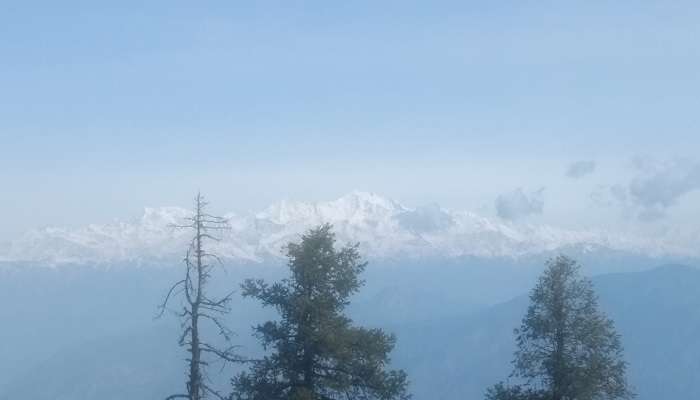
316	352
567	348
501	391
198	307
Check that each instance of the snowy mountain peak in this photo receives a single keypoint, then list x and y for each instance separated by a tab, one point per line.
355	206
159	217
366	201
383	227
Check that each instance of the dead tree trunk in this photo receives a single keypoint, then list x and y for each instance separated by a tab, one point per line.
197	306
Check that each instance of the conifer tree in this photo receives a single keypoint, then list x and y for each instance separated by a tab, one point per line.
198	307
567	348
315	351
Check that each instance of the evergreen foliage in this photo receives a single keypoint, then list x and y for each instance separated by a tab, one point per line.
567	348
315	351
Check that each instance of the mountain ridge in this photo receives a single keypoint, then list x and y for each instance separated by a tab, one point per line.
117	351
384	228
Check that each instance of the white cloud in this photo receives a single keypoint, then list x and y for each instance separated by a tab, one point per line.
580	169
425	219
656	187
517	204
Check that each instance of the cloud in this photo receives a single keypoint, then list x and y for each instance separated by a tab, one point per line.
656	187
517	204
580	169
428	218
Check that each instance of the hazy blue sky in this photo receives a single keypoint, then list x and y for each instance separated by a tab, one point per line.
105	109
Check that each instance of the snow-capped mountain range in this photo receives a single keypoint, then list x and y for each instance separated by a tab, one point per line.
383	227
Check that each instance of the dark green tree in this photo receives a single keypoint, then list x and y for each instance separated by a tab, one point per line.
501	391
315	353
567	348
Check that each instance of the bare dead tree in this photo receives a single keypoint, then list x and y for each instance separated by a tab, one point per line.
197	307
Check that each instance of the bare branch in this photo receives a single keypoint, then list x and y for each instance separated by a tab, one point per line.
198	306
221	302
226	355
177	396
167	297
214	392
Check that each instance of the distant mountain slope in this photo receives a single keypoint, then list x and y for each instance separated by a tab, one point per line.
657	313
447	356
384	228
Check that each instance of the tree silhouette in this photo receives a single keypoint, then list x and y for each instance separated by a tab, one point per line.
567	348
317	354
197	306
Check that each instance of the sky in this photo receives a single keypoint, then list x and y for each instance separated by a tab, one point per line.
569	113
